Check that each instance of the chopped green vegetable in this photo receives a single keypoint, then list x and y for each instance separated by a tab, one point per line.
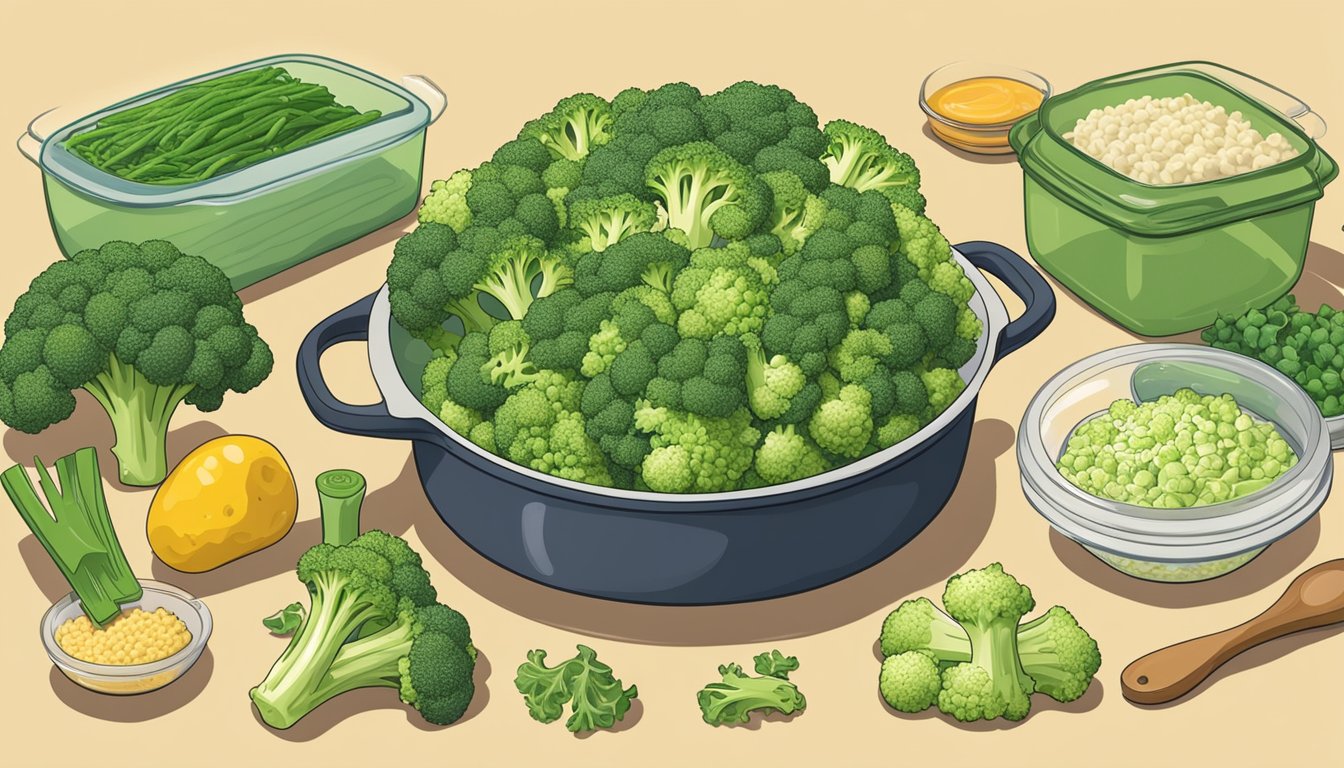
340	493
75	528
374	622
1181	450
284	621
142	328
982	662
595	696
215	127
737	695
1306	347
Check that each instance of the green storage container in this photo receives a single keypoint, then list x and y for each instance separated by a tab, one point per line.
259	220
1162	260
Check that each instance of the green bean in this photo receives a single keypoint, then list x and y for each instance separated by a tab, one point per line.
215	126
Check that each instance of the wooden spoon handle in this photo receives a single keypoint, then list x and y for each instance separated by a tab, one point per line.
1313	599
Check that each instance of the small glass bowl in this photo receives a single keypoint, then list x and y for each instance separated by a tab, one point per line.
130	679
1173	545
979	138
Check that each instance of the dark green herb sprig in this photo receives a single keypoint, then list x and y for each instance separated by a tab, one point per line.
215	127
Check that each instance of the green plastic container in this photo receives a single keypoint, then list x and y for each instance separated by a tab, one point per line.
267	217
1162	260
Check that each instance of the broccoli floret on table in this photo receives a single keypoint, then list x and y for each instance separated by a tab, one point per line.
987	661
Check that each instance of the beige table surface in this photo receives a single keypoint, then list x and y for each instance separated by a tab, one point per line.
501	64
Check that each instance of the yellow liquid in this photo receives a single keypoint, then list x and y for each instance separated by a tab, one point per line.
985	100
982	101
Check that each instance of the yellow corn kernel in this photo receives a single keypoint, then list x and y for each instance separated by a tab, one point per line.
135	637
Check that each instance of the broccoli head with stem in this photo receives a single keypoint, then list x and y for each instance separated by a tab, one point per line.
988	603
142	328
373	622
861	159
576	125
604	221
706	192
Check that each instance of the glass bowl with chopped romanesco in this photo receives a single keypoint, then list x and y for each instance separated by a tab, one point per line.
1173	462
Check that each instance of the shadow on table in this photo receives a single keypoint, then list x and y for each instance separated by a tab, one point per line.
631	719
1255	657
89	425
1278	560
319	264
931	558
1322	280
140	707
336	710
1004	159
1040	704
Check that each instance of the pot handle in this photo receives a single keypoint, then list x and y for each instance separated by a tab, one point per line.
349	324
1022	280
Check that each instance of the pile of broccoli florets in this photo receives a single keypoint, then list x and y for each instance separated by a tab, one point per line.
685	293
982	662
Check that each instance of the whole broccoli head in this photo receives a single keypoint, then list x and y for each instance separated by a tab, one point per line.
142	328
373	622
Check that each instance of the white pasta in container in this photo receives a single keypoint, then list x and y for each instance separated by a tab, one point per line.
1176	140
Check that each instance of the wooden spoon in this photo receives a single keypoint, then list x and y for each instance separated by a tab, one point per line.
1314	599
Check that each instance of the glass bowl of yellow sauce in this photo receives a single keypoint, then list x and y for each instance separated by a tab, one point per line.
971	105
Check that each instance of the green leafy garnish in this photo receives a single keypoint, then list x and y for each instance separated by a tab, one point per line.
283	622
737	695
596	697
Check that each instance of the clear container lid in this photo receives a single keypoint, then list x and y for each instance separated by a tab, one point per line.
403	115
1145	209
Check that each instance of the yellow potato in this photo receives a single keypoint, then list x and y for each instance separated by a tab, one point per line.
230	497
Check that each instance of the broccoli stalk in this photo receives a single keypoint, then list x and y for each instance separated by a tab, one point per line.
140	412
77	531
988	604
339	494
373	621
